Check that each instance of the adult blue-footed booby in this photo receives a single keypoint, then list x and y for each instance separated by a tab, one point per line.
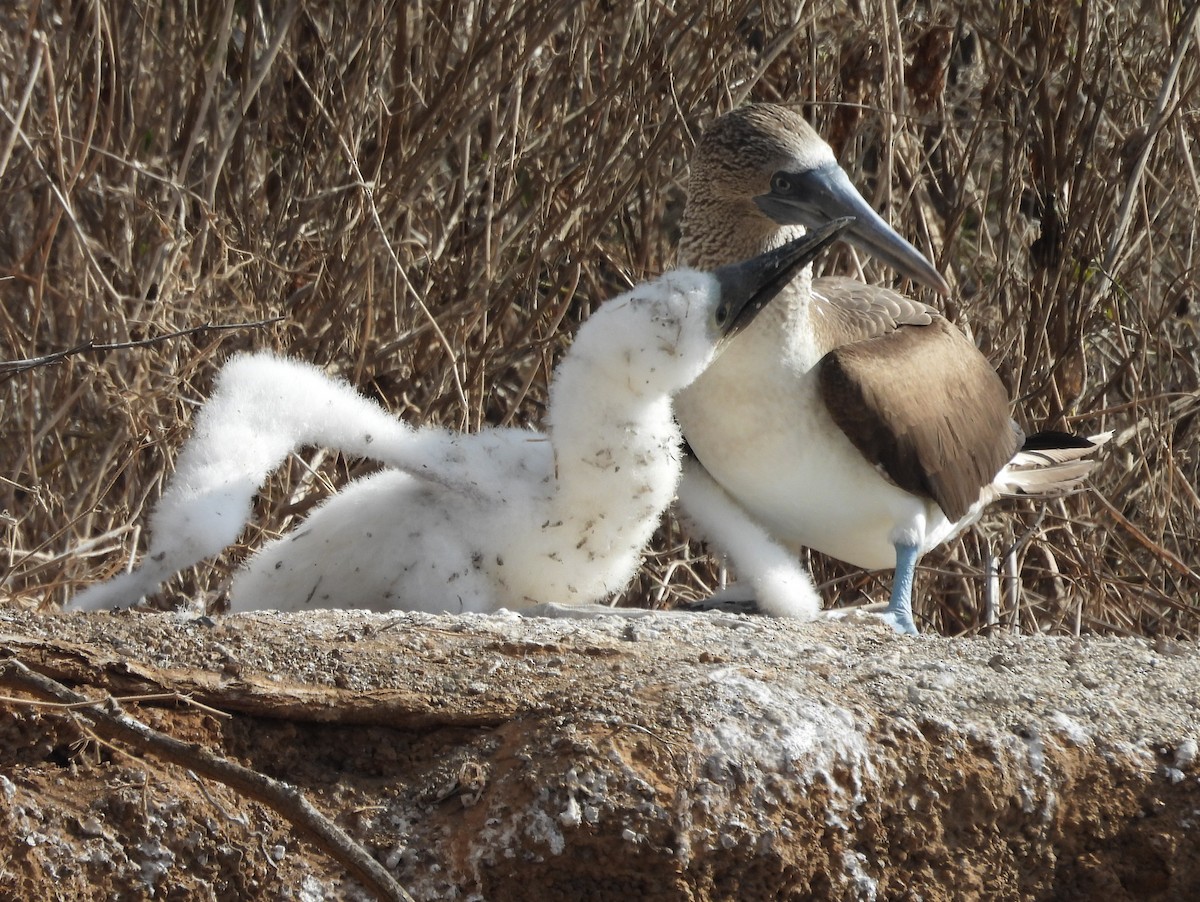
848	419
500	518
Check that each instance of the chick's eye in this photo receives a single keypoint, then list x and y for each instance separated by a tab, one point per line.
722	313
780	183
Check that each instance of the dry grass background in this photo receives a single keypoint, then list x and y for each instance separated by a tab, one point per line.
431	195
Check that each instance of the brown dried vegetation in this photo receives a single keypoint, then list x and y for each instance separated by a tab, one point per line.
431	195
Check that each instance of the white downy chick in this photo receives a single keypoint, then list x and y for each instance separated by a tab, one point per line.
462	522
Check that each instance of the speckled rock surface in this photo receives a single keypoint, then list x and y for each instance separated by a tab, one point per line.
686	757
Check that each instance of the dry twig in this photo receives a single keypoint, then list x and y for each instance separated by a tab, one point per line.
7	367
107	719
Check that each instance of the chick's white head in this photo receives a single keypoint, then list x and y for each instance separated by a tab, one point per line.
660	336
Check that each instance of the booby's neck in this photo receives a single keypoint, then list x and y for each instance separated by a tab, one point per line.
717	230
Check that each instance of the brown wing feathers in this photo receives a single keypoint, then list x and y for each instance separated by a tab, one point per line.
924	406
866	311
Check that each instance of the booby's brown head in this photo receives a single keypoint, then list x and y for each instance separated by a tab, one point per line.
761	169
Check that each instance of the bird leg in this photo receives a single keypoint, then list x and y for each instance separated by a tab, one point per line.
898	613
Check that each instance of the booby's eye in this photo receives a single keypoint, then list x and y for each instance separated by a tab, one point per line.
780	183
722	314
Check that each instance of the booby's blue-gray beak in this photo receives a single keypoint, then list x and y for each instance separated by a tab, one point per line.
747	287
816	196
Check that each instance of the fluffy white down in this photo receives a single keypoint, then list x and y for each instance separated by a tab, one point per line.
457	522
782	587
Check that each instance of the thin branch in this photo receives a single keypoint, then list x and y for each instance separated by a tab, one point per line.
1157	121
107	719
177	697
1146	542
249	93
18	366
22	108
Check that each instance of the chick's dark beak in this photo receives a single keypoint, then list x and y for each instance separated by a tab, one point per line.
817	196
747	287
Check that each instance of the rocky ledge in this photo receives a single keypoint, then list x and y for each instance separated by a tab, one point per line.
670	756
